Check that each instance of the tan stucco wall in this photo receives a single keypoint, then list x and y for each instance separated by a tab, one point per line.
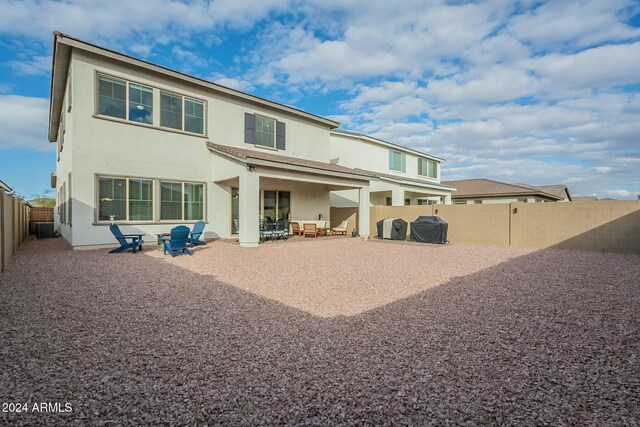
607	225
610	226
14	228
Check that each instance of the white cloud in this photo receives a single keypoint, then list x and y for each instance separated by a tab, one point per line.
23	121
122	20
40	64
574	23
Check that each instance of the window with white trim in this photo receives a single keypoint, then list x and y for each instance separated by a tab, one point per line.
265	131
125	199
183	201
397	161
181	113
125	100
427	168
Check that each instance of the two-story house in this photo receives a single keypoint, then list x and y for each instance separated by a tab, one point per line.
402	176
148	148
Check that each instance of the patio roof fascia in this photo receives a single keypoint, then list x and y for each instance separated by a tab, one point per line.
313	171
417	184
250	161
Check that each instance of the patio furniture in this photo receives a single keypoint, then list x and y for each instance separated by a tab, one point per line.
281	229
310	229
136	240
267	229
177	243
194	236
295	228
161	238
341	229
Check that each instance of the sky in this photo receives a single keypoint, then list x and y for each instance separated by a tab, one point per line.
532	92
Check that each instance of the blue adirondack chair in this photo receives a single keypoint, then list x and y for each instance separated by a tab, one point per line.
136	240
194	236
177	243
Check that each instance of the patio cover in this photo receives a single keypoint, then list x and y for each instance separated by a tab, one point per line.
392	228
429	229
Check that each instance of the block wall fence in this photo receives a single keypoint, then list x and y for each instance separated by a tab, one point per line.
608	225
14	227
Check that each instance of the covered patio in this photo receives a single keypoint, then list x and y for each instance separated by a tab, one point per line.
264	186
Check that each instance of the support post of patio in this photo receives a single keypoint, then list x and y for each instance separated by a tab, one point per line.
363	211
447	199
397	197
249	205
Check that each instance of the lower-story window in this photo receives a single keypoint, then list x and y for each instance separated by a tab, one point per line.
135	200
125	199
183	201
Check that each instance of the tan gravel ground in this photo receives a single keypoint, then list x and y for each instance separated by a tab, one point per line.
323	332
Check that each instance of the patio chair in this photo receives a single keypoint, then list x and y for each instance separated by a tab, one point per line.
267	229
281	229
177	242
341	229
136	240
295	228
310	229
194	236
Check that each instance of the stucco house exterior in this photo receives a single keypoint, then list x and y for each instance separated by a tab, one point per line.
148	148
401	176
488	191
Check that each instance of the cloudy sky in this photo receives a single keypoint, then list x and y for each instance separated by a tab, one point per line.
532	91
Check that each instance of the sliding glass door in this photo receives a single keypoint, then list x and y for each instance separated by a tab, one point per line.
275	205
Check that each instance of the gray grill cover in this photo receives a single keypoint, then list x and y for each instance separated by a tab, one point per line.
429	229
398	229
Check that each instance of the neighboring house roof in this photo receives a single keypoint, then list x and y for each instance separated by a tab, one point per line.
251	156
386	143
63	44
409	181
585	198
4	187
467	188
559	190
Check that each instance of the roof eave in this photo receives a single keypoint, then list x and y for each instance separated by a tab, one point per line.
417	184
79	44
59	74
252	161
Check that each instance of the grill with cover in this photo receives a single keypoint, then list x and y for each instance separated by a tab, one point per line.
392	228
429	229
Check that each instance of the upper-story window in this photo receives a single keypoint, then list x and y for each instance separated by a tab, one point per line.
181	112
140	104
264	131
397	161
112	98
170	111
125	100
193	115
427	168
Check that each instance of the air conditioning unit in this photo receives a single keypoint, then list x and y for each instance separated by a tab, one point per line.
44	230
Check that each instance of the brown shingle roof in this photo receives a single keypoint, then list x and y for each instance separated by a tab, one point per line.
559	190
245	154
489	188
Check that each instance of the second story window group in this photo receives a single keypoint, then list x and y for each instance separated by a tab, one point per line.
125	100
427	168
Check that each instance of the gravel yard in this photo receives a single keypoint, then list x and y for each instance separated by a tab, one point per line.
323	332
